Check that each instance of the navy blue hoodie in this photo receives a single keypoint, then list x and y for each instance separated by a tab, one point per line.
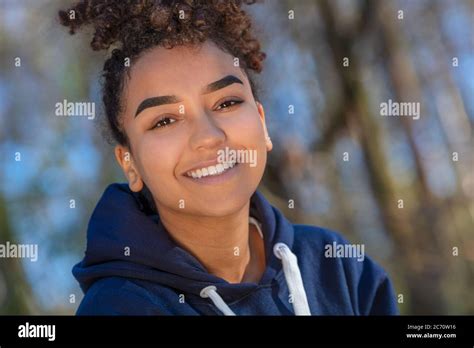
133	267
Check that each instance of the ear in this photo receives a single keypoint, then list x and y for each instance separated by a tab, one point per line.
261	112
125	160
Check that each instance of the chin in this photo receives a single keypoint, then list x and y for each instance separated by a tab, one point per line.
221	206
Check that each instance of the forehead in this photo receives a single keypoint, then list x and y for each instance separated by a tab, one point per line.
183	69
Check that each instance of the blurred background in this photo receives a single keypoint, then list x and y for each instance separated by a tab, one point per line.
403	187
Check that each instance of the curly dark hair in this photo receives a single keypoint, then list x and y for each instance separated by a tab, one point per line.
135	26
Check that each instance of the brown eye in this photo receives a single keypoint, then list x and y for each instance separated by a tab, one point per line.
165	121
228	103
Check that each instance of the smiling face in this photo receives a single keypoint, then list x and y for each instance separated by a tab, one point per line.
182	108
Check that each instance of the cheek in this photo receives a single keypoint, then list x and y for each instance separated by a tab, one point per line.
246	125
158	155
246	131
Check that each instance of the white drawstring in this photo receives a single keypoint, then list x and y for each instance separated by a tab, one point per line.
254	222
292	276
210	291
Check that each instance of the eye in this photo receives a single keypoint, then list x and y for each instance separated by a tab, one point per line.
229	103
163	122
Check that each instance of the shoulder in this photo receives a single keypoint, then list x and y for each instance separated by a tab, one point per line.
117	296
331	256
315	236
330	247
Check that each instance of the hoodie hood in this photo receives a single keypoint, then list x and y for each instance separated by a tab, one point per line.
124	240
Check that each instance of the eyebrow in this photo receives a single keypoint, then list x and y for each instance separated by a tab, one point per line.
172	99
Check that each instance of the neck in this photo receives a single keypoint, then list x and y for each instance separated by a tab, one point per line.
226	246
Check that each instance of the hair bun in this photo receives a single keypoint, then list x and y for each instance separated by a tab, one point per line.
128	22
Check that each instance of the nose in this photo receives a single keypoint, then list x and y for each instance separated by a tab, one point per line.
206	133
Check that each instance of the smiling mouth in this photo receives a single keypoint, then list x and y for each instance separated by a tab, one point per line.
210	171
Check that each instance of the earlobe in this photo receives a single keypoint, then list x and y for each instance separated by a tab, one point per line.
268	140
125	161
134	181
269	143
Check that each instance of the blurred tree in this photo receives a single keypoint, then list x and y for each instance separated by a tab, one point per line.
15	293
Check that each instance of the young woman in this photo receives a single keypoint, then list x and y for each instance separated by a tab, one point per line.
189	234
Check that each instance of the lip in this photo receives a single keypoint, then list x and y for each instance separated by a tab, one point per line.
216	179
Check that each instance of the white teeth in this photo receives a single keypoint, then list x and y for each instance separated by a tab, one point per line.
211	170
